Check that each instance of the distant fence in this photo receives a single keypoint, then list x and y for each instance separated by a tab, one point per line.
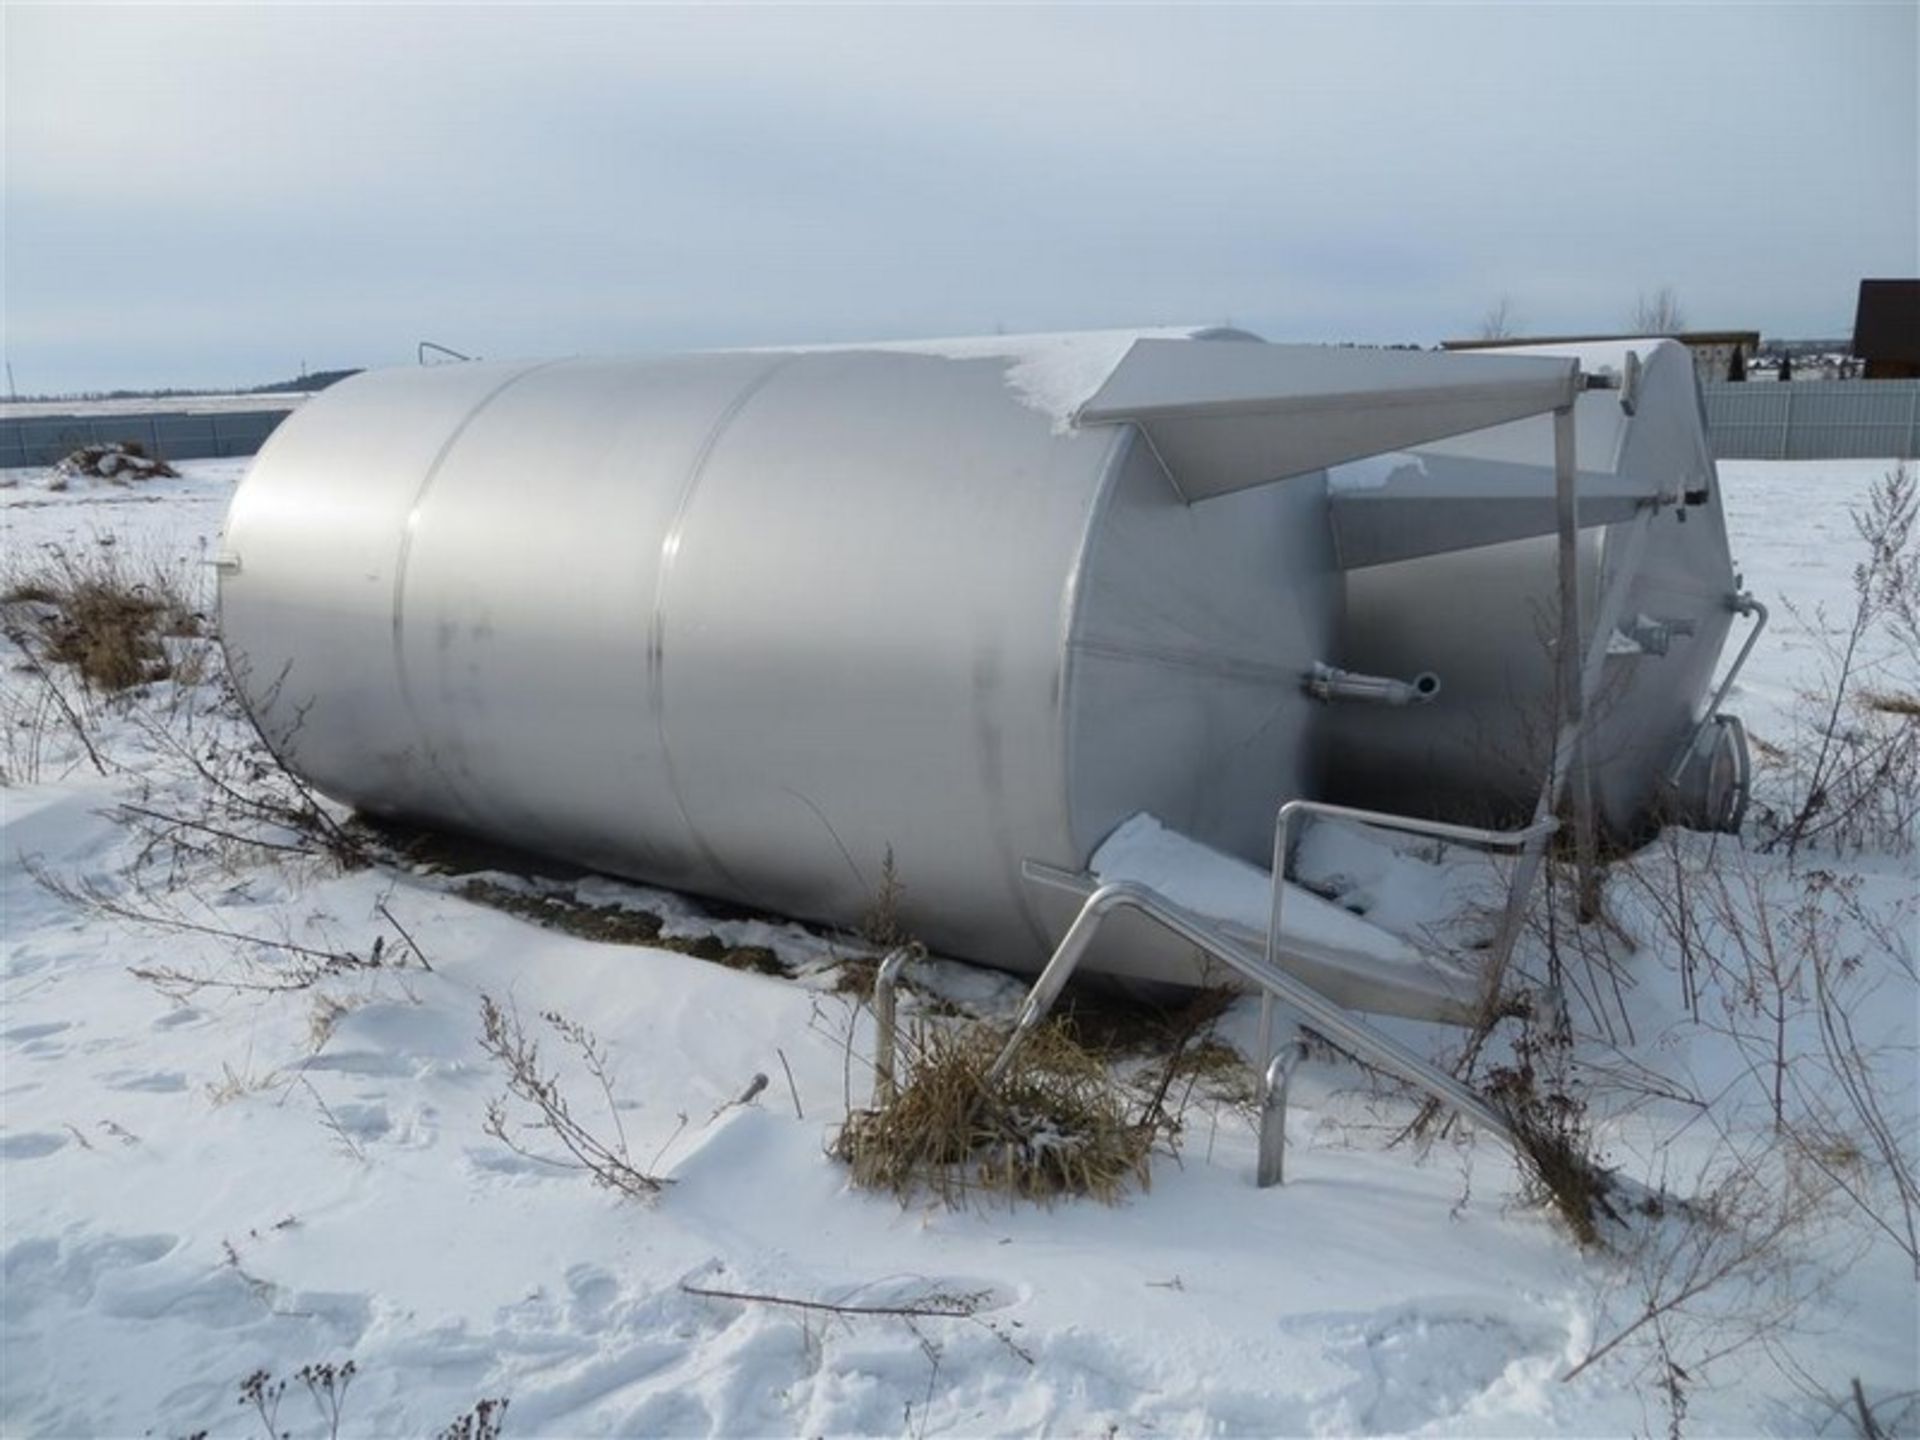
42	439
1814	419
1758	420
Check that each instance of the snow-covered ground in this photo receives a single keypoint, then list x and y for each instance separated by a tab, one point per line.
199	1182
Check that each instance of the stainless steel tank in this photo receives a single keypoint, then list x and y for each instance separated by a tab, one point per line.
743	624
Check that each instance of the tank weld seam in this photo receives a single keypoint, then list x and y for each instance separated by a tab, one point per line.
408	530
1072	600
657	627
1206	664
1070	620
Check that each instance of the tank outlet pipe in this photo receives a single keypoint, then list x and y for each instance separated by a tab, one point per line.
1742	604
1326	683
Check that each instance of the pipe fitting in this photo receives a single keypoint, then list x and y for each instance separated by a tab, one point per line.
1327	683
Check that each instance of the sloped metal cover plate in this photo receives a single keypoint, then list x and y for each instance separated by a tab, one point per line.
1433	504
1229	417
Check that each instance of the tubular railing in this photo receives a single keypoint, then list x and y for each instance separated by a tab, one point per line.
1377	1049
1275	984
1408	824
439	349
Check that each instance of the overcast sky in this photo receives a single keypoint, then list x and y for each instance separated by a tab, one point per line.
217	196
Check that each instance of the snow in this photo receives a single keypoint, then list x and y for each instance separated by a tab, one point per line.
1055	374
1204	880
199	1185
1797	547
1374	472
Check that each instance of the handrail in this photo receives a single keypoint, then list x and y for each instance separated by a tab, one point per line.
1379	1050
1412	825
426	345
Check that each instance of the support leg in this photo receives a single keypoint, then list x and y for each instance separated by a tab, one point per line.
1275	1080
886	1024
1572	655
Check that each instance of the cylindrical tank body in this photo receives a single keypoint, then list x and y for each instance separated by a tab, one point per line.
743	624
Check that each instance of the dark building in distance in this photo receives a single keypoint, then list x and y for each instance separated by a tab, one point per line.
1886	329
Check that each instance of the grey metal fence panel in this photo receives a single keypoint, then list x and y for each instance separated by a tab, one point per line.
1761	420
173	435
1814	419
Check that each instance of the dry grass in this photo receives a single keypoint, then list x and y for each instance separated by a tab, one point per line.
535	1114
1557	1162
855	976
1057	1125
1546	1111
1850	779
101	615
1116	1025
1892	702
1167	1053
1211	1068
882	925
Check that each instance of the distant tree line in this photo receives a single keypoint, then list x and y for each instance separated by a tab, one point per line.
314	380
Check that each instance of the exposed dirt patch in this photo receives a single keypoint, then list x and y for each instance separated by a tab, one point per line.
619	925
120	461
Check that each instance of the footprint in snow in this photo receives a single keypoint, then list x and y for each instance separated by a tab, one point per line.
363	1122
505	1162
19	1034
1413	1366
593	1292
30	1146
38	1041
361	1062
69	1269
220	1299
